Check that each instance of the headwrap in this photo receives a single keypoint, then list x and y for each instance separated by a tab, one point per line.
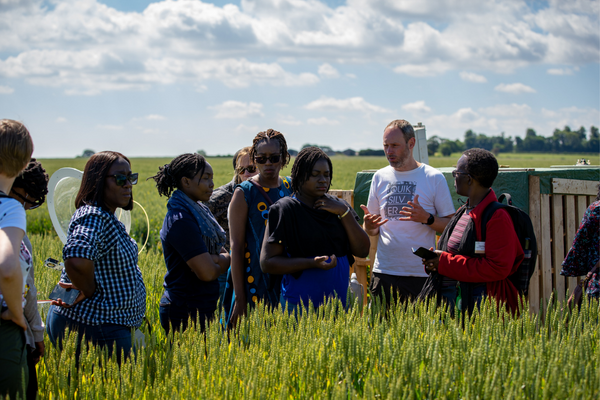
212	233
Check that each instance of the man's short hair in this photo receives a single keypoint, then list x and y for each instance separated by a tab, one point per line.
16	147
482	166
404	126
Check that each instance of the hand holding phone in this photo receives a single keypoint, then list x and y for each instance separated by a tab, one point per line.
53	264
65	295
424	253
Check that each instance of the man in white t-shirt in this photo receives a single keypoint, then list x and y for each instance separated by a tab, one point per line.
408	203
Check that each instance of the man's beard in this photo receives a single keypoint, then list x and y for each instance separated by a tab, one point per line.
402	159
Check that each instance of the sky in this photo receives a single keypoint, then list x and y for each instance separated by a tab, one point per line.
164	78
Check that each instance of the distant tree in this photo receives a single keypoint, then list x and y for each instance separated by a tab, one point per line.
349	152
201	152
446	149
293	152
371	152
87	153
433	143
305	145
593	145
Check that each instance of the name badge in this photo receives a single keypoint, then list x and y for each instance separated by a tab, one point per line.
479	247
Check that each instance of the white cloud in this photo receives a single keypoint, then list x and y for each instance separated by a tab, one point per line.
562	71
61	120
6	90
289	120
110	127
514	88
423	70
322	121
237	109
351	104
327	71
241	128
507	110
417	107
155	117
472	77
351	76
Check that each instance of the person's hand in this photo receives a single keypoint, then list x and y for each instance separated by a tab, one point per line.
325	262
415	212
332	205
238	311
372	221
223	260
17	319
431	265
61	303
38	352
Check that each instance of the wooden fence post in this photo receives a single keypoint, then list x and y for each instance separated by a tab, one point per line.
534	214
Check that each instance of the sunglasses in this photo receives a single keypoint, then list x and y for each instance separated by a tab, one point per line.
251	169
122	179
34	204
456	173
263	159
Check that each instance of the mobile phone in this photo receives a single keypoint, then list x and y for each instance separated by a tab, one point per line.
53	263
67	295
424	253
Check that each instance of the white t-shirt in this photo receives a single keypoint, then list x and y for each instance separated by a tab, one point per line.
390	191
12	215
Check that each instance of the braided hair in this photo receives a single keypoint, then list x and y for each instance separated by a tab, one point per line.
482	166
34	181
169	175
304	164
271	134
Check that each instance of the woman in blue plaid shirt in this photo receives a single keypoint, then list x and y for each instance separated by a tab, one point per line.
101	261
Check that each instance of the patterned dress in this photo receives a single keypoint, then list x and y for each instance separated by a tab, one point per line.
584	255
257	283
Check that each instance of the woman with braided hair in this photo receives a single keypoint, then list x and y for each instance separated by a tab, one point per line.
30	189
248	214
192	242
312	236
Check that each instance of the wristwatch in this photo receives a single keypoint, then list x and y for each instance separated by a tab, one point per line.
430	220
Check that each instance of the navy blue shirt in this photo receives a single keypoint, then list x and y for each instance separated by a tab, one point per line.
182	240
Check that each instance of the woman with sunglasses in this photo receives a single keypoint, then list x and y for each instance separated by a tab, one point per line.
248	213
30	189
192	242
312	236
481	268
219	201
101	261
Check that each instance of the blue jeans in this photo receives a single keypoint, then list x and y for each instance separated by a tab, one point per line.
103	335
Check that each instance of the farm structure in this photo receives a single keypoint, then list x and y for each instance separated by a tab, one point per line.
554	198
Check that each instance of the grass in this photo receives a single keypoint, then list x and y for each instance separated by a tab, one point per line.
417	352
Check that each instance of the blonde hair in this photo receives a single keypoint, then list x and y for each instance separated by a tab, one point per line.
244	151
16	147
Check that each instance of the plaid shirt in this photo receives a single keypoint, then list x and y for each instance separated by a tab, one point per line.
120	296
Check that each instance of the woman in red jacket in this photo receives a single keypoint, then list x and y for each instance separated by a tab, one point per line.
481	268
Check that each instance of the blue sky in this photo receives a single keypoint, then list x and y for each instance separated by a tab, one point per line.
163	78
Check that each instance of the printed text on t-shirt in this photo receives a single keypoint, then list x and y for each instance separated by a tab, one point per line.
398	196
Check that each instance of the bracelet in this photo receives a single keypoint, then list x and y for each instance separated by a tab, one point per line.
344	214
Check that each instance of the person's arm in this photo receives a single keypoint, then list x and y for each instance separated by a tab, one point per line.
208	267
238	218
34	320
502	252
415	212
274	261
372	222
11	278
81	275
358	238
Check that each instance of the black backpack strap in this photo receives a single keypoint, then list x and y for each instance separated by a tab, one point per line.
487	215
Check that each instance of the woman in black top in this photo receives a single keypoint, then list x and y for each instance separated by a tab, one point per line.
192	243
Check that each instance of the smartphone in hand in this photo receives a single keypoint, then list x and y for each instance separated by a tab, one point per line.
424	253
67	295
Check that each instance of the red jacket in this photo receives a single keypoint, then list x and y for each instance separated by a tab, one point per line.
503	255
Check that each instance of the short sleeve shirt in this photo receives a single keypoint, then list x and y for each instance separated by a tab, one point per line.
120	297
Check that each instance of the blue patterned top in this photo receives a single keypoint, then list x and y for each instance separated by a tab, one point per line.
258	214
584	255
120	297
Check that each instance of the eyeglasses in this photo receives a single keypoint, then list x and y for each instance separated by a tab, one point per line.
455	173
34	204
250	168
263	159
122	179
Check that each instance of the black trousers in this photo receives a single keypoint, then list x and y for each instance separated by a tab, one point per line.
393	286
